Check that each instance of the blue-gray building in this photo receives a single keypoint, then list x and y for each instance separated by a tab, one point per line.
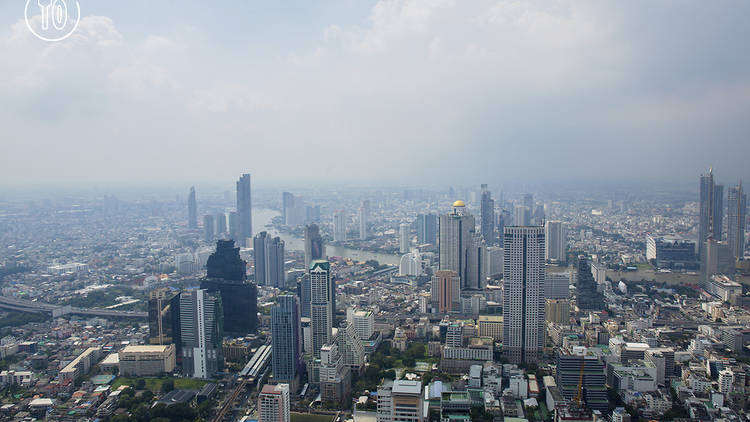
286	340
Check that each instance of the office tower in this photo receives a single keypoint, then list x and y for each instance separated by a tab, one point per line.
312	213
400	401
314	247
303	292
286	340
350	346
537	215
287	206
556	242
268	254
427	228
226	274
487	223
339	226
494	261
366	205
568	377
192	210
363	321
403	237
446	291
717	259
737	219
234	226
503	219
476	264
164	317
321	308
208	228
528	201
456	238
244	210
522	215
588	298
335	377
362	223
274	403
711	211
523	293
557	286
201	332
221	224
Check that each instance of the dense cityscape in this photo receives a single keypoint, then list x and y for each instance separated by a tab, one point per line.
468	303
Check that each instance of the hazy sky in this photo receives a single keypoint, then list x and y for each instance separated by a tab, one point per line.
414	91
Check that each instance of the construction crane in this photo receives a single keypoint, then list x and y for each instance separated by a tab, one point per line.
579	394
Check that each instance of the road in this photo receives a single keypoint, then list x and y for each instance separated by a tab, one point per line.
48	308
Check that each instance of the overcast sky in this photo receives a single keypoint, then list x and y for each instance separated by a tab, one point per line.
409	91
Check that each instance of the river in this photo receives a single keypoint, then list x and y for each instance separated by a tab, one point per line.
263	216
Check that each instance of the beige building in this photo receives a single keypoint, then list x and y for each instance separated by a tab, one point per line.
80	365
557	311
147	360
491	326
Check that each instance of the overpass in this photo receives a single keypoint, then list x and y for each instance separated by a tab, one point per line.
22	305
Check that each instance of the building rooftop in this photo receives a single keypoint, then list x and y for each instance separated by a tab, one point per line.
146	349
407	387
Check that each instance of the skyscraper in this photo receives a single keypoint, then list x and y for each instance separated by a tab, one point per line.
339	226
274	404
711	211
226	274
234	226
208	228
286	339
201	332
737	219
350	345
303	292
588	297
269	260
457	239
314	247
487	223
446	291
362	223
221	224
287	206
476	264
403	237
164	317
523	293
556	246
321	306
244	210
427	227
522	215
192	210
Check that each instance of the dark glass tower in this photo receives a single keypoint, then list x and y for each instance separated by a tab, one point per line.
587	296
286	339
244	211
226	274
164	318
314	247
487	222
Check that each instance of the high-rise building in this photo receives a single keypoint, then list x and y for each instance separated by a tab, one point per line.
488	217
303	292
221	224
557	311
208	228
192	209
476	264
339	226
164	317
522	215
269	260
737	220
427	228
446	291
201	333
287	206
717	259
234	226
363	321
456	238
321	306
226	273
362	223
314	247
335	377
350	345
528	201
286	340
523	293
274	403
711	211
556	242
244	210
403	237
588	372
557	285
588	297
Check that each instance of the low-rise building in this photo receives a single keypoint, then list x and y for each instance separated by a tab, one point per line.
149	360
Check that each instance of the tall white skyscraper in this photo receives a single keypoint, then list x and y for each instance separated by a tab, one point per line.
403	237
244	211
321	304
201	331
522	215
523	296
456	232
339	226
362	223
556	242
